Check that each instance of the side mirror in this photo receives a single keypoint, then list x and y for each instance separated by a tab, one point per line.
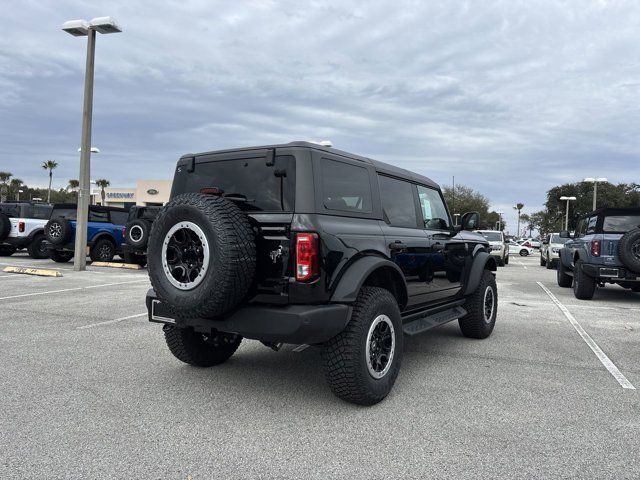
565	234
470	221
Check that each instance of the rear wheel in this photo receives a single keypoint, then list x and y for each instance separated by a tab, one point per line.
103	251
60	256
584	286
200	349
37	247
362	362
524	253
482	308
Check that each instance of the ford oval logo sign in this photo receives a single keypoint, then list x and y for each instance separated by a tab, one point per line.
152	191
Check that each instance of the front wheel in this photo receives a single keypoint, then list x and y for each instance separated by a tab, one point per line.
506	259
200	349
482	308
524	253
564	279
362	362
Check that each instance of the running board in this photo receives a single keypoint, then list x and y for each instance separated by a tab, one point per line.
434	320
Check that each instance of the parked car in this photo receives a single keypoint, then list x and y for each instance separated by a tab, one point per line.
136	233
530	242
550	250
520	249
498	245
305	244
605	249
104	232
22	226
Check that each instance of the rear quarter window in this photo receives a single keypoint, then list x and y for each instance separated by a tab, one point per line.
620	223
119	218
345	187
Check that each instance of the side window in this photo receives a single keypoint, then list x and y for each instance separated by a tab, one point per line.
41	212
119	218
580	228
591	225
397	202
95	216
434	213
345	187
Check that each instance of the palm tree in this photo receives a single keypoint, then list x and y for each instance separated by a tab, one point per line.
49	165
73	186
4	179
518	207
102	183
15	185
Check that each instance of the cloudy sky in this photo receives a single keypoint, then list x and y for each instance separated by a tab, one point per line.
510	96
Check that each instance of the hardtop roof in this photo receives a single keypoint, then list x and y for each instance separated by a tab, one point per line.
612	211
378	165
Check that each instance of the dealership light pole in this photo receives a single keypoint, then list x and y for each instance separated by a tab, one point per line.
595	182
499	220
82	28
566	220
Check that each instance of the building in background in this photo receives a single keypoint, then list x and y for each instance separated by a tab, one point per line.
146	192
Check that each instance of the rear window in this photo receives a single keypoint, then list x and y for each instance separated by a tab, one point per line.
119	218
10	210
260	187
345	187
620	223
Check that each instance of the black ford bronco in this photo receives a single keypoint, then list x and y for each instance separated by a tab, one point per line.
136	233
305	244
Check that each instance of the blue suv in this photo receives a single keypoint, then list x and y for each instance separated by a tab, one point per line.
104	232
604	249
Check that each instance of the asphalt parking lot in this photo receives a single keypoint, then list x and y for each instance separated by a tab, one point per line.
89	390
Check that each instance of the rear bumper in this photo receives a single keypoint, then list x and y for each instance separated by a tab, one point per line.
611	273
308	324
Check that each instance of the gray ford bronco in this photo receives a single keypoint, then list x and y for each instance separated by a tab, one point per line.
604	249
305	244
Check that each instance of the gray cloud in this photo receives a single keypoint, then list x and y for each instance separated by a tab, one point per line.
511	97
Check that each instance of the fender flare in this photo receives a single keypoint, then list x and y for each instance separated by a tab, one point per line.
356	274
35	232
564	257
101	235
481	261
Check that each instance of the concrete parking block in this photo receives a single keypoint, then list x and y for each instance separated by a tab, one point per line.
41	272
130	266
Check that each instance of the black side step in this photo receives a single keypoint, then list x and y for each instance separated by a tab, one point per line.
435	319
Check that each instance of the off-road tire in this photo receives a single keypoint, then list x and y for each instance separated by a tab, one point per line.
141	229
5	226
58	230
37	249
584	286
102	251
232	260
344	356
135	258
198	349
7	250
564	279
60	256
477	323
629	250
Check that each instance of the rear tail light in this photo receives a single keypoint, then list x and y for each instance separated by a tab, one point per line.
306	256
21	227
595	248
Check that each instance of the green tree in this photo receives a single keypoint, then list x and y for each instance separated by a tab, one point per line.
466	200
16	184
102	183
49	165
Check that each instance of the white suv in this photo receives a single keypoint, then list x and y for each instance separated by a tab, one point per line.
550	250
497	244
22	226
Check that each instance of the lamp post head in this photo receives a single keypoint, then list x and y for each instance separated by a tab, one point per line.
77	28
105	25
92	150
601	180
568	198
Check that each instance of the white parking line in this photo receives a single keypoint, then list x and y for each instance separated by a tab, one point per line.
71	289
608	364
110	322
300	348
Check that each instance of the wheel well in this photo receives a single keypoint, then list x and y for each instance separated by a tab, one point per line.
389	279
102	236
491	265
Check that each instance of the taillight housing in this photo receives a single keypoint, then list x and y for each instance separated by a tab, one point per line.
595	248
306	256
21	227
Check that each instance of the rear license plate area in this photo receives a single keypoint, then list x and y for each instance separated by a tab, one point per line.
160	314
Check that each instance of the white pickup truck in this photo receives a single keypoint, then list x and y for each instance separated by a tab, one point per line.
22	226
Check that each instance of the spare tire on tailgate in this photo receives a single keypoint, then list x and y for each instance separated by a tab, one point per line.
5	226
201	255
58	230
629	250
137	233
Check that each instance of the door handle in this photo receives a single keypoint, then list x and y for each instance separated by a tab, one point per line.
397	245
